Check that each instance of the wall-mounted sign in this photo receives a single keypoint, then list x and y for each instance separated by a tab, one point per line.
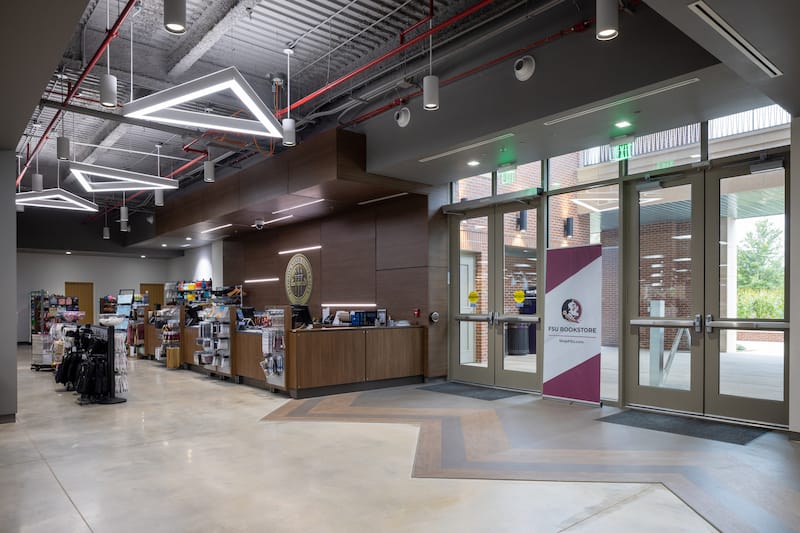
519	296
298	280
473	297
622	151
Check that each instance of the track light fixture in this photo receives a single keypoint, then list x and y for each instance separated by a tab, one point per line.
607	20
430	83
288	123
175	16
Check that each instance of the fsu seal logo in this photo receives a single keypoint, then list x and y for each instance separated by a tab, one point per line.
571	311
298	280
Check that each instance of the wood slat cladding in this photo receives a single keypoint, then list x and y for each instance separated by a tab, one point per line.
348	257
402	233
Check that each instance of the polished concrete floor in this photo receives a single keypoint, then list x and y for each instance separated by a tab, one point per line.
188	453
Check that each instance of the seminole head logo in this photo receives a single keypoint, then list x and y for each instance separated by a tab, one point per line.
298	280
571	310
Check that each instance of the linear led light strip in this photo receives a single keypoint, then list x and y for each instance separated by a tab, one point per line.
216	228
349	305
633	98
55	199
261	280
382	198
718	24
297	206
157	107
273	220
124	180
467	147
306	249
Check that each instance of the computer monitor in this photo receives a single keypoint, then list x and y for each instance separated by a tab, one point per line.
300	316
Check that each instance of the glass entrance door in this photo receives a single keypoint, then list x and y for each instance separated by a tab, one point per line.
707	320
494	339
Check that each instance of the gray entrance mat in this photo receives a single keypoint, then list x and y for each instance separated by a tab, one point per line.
691	427
471	391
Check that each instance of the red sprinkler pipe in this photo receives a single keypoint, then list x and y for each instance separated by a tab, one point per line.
110	36
417	24
436	29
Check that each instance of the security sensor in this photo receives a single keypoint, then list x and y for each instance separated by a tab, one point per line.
402	117
259	224
524	68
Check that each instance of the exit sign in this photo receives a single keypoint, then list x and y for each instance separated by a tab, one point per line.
622	151
507	177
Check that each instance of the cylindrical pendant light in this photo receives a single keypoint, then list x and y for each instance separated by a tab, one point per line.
37	182
208	171
607	20
62	148
158	197
175	16
430	93
288	124
288	132
108	90
123	213
106	233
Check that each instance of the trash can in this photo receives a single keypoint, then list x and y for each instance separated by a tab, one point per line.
517	339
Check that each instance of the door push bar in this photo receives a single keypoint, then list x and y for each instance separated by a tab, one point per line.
742	324
696	323
498	318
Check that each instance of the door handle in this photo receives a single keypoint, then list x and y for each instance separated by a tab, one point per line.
698	323
709	324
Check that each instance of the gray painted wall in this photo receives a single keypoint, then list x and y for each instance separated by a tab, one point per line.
8	282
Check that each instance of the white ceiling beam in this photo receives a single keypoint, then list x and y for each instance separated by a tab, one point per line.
202	37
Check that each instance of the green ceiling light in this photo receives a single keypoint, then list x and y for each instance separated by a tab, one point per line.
623	124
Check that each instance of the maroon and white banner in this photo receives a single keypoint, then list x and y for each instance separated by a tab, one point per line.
573	318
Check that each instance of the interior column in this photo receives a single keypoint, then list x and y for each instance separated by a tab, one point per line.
8	287
794	287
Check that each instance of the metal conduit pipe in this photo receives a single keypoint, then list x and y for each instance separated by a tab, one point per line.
112	33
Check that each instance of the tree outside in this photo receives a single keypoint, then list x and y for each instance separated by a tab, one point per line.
760	272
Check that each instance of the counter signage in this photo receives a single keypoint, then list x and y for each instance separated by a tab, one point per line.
298	280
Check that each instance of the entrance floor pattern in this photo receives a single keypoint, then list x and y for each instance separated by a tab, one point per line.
188	453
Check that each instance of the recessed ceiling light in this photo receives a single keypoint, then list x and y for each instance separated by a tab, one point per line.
143	256
623	124
68	253
163	245
188	238
473	163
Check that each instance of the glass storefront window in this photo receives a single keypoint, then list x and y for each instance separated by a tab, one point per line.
472	188
665	149
586	166
519	178
749	131
592	217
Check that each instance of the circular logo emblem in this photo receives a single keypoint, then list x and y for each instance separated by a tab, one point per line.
298	280
571	310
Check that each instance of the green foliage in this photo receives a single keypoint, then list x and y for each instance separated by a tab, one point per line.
760	258
759	303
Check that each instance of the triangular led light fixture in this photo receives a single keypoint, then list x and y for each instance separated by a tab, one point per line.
160	106
55	199
116	179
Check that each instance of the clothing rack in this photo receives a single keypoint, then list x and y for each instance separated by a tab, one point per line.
107	333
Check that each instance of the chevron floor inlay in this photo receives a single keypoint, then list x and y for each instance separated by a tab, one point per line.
736	488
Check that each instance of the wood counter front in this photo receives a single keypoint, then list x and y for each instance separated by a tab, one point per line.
248	355
189	344
330	357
